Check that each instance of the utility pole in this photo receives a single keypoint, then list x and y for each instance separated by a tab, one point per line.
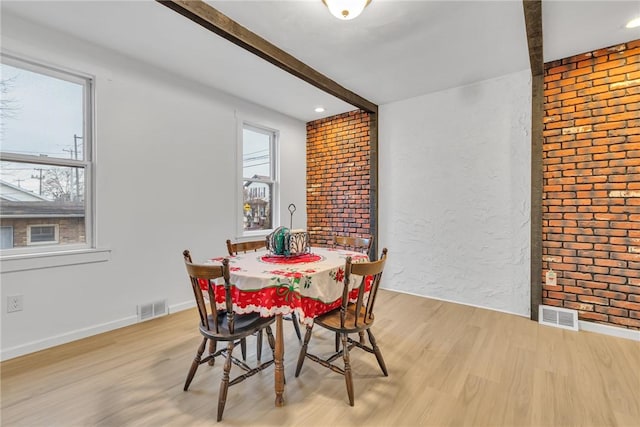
70	151
39	178
75	151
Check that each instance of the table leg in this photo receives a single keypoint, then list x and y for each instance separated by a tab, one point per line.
279	362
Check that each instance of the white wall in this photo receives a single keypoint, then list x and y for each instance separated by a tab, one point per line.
165	162
455	193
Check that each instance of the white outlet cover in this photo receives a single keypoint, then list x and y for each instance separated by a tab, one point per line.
14	303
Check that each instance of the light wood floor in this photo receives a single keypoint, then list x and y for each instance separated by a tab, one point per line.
449	365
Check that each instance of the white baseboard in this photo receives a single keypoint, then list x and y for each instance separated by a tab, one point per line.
599	328
32	347
181	306
583	325
456	302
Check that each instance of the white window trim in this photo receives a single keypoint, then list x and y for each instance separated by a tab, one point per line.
241	233
56	234
36	261
61	254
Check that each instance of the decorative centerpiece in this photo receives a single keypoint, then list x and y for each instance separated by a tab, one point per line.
286	242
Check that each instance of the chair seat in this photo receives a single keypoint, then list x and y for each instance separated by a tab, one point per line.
244	325
331	320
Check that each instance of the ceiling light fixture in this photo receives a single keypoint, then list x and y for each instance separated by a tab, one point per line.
346	9
319	110
634	23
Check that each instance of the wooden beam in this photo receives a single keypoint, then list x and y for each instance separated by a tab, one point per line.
533	22
537	112
203	14
373	183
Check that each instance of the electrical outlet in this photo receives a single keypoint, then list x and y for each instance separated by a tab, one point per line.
14	303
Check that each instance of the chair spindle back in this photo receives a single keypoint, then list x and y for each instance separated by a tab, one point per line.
357	244
363	269
235	248
199	273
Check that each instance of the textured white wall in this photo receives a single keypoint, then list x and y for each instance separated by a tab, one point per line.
165	152
455	193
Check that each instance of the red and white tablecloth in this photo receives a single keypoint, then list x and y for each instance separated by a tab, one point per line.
310	284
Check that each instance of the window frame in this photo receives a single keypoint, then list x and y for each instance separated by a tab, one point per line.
56	234
88	83
274	135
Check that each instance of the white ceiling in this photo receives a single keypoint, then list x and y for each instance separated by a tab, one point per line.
395	50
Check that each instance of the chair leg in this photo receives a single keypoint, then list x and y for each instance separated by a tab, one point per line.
337	342
361	334
243	348
259	345
212	349
270	339
347	369
195	364
296	325
377	352
303	350
224	385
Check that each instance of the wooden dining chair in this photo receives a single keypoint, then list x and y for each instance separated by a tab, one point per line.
222	325
213	343
252	246
244	247
350	318
356	244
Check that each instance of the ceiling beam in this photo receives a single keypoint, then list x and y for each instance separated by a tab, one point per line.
213	20
533	22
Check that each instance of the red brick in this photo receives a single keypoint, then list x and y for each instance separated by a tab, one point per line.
594	285
593	316
623	70
626	272
578	290
621	296
611	263
593	269
625	321
552	302
580	306
596	114
329	143
612	311
628	289
618	280
626	304
593	300
561	296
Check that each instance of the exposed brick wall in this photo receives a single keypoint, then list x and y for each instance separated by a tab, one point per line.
591	206
338	176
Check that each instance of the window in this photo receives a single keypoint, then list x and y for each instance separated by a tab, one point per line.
42	234
259	185
45	158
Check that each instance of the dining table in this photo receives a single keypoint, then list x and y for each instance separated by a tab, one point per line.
308	284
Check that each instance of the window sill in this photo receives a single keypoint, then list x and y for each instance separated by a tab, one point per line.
24	262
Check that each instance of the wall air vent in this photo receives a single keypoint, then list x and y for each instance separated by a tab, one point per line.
558	317
151	310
